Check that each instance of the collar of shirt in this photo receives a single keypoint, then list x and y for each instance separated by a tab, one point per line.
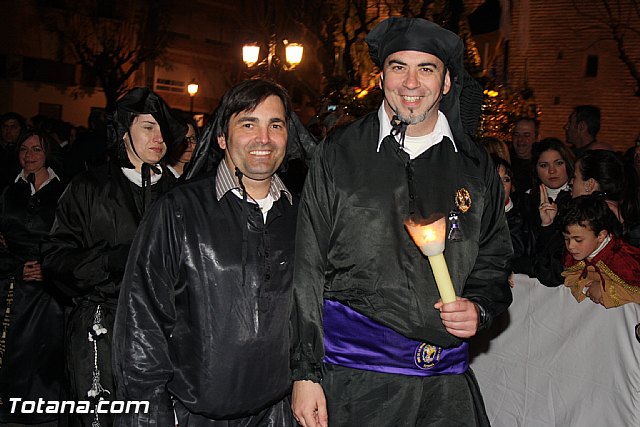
226	182
52	176
136	177
599	249
415	148
508	206
553	192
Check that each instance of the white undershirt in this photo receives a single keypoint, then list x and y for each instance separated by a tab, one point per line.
416	145
265	204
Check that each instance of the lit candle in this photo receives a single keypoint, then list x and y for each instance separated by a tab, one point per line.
429	235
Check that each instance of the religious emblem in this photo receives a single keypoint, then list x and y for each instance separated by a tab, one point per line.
427	355
463	200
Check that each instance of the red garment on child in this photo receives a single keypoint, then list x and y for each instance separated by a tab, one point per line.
616	269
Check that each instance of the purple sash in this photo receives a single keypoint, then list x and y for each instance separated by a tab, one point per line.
355	341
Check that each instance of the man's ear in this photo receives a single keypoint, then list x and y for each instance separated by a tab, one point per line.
582	126
381	81
222	142
447	83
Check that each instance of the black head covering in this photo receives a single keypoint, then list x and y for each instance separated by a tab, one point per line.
398	33
141	100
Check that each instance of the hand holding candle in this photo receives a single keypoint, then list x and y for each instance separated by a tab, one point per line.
429	235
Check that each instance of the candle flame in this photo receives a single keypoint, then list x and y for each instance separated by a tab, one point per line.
429	234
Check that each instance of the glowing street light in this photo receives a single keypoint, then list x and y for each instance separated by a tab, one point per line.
293	55
192	88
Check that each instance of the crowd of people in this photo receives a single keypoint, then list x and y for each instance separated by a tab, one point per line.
544	179
204	271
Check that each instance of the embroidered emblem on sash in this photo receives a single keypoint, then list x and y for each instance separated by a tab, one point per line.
427	355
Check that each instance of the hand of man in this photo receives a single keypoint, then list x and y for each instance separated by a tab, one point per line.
460	318
547	208
32	272
309	404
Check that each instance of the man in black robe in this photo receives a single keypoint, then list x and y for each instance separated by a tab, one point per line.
202	322
373	344
97	216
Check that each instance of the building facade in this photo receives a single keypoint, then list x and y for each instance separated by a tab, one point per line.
564	51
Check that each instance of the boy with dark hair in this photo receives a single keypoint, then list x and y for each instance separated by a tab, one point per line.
599	265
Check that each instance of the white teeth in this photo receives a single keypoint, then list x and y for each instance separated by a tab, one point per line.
411	98
260	153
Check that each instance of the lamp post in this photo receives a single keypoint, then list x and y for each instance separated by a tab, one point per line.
192	88
293	55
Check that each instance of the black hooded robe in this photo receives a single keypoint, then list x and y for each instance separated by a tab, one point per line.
352	247
33	362
86	253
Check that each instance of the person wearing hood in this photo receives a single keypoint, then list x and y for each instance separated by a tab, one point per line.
202	321
372	342
86	250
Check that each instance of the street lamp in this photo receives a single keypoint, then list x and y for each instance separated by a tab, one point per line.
192	88
293	55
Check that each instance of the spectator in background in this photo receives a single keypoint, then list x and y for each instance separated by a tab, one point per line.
525	134
31	311
89	149
582	128
512	210
12	126
497	147
602	171
97	217
553	163
599	265
181	155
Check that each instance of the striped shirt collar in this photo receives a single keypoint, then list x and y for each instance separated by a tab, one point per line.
226	182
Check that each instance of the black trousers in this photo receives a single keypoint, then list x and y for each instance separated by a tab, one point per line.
277	415
364	398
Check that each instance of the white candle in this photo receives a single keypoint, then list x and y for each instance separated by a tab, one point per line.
429	235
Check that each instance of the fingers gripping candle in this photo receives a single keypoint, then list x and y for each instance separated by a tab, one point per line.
429	235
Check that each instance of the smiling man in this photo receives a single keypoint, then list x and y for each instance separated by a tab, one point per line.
372	343
202	324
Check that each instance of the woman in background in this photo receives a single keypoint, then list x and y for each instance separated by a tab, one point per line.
32	329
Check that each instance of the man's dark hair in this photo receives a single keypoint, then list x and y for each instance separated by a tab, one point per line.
590	211
590	115
246	96
14	116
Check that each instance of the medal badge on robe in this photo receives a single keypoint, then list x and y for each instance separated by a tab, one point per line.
462	206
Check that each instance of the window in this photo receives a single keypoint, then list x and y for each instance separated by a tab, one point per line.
168	85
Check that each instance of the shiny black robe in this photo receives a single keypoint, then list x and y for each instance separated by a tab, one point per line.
85	254
352	245
189	328
33	363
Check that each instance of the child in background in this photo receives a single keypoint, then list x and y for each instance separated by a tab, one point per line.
598	264
512	212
